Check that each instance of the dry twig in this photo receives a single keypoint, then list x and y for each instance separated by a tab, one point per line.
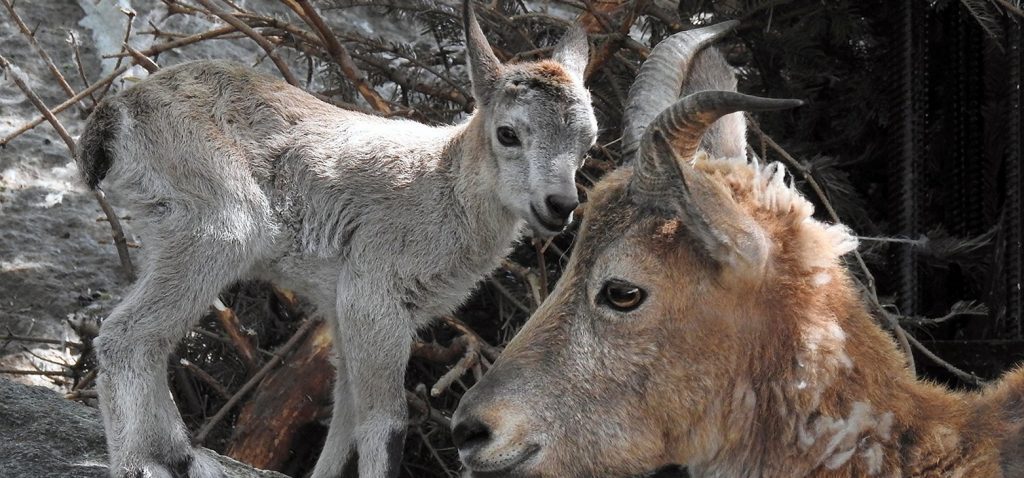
959	309
127	35
468	360
117	233
35	45
529	277
65	105
141	59
257	37
1012	8
508	295
78	64
198	37
475	348
422	405
435	352
542	270
967	377
86	380
434	453
206	378
239	339
44	359
46	373
82	394
40	340
489	351
343	59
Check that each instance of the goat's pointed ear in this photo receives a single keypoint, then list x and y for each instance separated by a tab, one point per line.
712	219
573	52
484	67
726	137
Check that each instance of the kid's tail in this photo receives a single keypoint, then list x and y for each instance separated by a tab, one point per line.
95	152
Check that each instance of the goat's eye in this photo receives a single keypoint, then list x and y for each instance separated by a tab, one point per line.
507	136
622	296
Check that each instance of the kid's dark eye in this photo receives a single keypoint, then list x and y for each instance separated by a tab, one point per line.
507	136
621	296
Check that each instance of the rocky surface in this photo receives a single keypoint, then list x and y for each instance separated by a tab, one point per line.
55	258
46	436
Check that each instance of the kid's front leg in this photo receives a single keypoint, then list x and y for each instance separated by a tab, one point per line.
376	340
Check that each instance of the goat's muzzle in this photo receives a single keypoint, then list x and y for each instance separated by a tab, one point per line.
493	436
554	215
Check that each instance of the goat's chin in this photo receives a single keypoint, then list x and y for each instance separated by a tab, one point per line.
542	232
540	227
543	470
535	226
504	474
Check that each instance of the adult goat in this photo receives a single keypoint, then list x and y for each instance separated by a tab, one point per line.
705	319
384	224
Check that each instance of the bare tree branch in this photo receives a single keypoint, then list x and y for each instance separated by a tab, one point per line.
259	39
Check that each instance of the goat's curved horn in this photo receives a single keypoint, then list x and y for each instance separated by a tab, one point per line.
682	126
660	79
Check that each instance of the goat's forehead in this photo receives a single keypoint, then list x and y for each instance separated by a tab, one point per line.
545	82
610	214
546	74
614	221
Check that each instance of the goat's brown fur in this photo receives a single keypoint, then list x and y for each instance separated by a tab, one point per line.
738	372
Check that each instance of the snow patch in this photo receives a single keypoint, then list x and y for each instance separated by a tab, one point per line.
107	19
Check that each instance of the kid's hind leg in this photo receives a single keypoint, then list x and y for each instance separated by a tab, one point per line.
145	434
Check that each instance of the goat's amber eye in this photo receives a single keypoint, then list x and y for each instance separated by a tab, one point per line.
507	136
622	296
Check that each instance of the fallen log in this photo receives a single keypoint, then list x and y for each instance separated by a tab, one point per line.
286	401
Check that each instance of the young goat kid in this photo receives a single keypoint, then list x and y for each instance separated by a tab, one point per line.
382	223
705	319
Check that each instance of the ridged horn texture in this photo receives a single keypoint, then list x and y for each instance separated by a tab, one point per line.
682	125
658	84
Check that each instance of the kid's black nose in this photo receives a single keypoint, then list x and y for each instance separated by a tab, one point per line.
561	206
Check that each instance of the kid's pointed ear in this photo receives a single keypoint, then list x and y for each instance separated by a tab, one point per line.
573	52
484	67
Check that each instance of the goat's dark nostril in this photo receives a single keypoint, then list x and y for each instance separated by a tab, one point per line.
562	205
470	433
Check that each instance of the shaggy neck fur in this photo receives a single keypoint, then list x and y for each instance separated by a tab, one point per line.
825	391
843	404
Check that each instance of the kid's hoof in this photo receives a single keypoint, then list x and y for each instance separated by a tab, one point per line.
193	466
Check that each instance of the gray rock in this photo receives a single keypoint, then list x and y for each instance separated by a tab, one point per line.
43	435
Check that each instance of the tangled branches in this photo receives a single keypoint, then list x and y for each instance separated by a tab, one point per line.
228	376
